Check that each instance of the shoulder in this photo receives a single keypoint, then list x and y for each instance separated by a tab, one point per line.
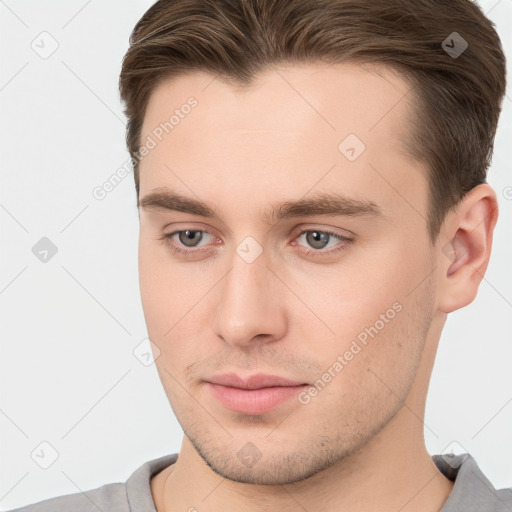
132	495
109	497
472	490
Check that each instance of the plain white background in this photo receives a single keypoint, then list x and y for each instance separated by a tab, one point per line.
69	376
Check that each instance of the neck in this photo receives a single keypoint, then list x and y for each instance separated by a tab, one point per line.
392	472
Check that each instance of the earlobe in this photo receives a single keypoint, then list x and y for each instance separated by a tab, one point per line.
464	258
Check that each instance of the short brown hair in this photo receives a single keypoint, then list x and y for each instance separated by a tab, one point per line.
457	97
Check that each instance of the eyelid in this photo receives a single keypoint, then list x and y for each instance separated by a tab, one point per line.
323	229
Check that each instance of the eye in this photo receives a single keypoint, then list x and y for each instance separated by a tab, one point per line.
189	237
319	240
187	240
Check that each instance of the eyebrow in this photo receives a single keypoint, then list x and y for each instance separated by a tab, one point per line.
334	204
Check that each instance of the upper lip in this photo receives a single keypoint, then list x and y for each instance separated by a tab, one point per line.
257	381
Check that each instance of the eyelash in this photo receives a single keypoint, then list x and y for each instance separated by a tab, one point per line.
167	240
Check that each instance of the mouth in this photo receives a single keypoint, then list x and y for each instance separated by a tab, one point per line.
256	394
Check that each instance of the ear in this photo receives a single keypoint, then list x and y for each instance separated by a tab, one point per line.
464	247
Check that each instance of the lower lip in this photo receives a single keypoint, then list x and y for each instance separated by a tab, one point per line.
253	401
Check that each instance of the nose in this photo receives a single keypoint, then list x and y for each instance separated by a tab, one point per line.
250	308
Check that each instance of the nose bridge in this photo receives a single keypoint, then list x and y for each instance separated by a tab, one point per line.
246	279
248	304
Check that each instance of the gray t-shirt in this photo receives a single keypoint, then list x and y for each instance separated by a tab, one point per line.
472	491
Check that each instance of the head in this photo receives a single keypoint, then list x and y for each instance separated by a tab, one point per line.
256	128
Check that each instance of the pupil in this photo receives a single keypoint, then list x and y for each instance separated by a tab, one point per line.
316	237
191	235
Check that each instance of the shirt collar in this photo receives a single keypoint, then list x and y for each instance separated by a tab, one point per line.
471	491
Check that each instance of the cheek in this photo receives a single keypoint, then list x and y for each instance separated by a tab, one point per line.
153	293
353	295
172	296
379	315
162	291
372	368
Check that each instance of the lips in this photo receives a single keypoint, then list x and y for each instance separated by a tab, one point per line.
255	394
257	381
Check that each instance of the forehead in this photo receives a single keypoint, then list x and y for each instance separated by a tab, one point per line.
344	96
290	125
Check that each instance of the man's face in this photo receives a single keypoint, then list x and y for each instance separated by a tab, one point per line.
256	294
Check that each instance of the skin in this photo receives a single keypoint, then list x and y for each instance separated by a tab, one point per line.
289	313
